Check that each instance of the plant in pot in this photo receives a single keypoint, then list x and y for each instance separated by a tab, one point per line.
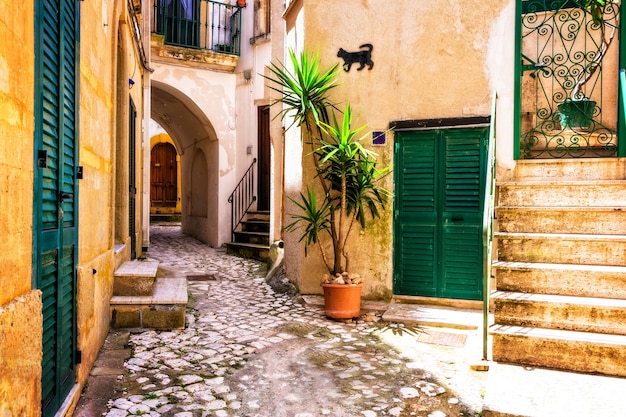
347	189
576	112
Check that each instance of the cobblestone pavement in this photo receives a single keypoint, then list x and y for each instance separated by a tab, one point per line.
252	352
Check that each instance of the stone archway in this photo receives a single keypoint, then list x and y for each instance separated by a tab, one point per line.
194	138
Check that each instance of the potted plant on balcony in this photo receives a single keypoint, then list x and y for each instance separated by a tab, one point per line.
576	112
348	188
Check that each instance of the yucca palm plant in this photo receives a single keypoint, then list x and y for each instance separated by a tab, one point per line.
347	172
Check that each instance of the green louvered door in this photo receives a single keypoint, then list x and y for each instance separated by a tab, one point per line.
439	176
55	192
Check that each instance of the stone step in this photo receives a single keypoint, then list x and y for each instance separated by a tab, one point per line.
581	314
165	217
255	226
261	215
560	349
564	279
135	278
561	248
248	250
164	309
562	194
261	238
608	220
597	169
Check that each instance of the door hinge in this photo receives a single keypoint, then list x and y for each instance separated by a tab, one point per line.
78	357
79	172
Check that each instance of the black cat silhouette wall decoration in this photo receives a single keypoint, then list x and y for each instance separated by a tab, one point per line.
362	57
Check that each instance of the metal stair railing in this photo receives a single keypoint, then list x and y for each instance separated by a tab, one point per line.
242	198
488	211
622	88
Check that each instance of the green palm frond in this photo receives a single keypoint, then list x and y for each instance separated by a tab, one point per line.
313	219
304	89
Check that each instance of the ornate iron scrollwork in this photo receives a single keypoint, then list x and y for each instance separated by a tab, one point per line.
569	80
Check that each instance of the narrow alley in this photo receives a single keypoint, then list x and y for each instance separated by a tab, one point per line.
250	351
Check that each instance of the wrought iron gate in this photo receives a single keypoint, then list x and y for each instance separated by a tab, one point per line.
568	69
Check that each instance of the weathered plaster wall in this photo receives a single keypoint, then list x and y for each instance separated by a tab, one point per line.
20	355
432	59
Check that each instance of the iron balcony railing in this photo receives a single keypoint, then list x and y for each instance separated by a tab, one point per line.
242	198
199	24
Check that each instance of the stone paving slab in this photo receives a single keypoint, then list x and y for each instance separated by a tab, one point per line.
534	392
434	316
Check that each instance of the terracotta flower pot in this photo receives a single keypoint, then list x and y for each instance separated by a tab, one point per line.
342	301
241	3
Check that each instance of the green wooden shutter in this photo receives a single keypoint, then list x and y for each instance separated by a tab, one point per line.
416	211
439	177
54	217
462	214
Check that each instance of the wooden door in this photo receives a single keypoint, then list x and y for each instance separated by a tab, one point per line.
163	176
263	186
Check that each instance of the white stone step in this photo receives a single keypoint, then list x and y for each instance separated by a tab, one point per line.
580	219
584	249
564	279
135	278
560	349
562	194
596	169
583	314
164	309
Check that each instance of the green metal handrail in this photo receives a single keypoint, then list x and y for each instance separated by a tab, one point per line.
488	210
199	24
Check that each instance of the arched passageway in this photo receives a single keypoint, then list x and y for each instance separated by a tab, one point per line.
197	145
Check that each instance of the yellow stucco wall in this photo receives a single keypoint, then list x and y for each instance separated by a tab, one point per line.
16	152
102	85
104	112
20	356
431	60
20	306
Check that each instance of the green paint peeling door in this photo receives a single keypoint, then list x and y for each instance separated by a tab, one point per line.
439	177
55	193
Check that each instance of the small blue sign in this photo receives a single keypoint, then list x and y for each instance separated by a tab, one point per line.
378	137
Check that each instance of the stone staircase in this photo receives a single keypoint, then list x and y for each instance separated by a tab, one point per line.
252	240
143	300
560	299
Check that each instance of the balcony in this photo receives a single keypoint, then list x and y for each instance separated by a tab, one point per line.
202	33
